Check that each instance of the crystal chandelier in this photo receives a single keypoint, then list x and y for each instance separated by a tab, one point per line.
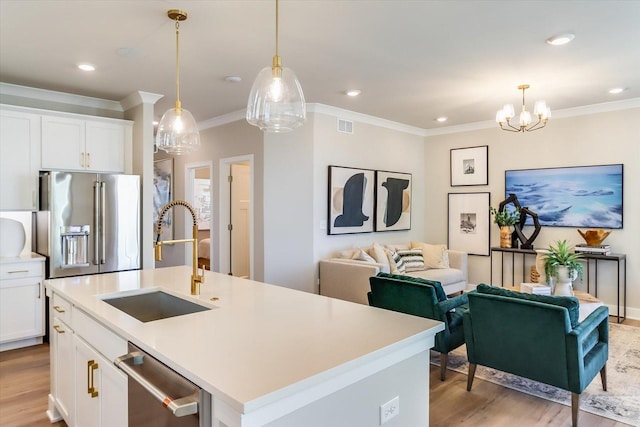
540	110
177	131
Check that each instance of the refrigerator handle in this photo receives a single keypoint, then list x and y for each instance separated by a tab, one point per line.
103	222
96	222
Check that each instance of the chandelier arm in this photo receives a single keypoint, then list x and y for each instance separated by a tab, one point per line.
513	129
516	129
537	126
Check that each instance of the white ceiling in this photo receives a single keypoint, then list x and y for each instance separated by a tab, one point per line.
412	60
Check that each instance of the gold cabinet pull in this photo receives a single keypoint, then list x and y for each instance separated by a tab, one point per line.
58	329
92	366
88	160
82	159
18	271
58	309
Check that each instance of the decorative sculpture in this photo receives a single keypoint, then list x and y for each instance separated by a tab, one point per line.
527	242
594	237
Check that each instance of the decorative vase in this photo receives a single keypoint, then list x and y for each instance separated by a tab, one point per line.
564	282
505	236
541	254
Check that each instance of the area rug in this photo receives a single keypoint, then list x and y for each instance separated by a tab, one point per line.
620	403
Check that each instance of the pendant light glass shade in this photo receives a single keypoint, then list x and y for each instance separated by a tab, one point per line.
276	102
177	131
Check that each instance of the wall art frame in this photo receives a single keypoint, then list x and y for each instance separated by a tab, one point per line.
469	223
393	201
575	196
163	194
351	198
469	166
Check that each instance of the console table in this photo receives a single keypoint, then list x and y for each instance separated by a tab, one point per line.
589	258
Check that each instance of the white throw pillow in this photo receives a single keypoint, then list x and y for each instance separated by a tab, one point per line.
396	263
435	256
363	256
378	253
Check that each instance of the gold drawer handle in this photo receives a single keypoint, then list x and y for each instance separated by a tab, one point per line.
58	329
58	309
18	271
91	368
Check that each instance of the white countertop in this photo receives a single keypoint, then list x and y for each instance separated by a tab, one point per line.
261	343
22	258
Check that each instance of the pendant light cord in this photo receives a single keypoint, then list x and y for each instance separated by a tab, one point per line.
277	27
178	104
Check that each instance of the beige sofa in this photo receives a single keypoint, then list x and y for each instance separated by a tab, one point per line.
348	279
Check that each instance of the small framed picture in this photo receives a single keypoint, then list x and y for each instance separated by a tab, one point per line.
470	166
469	222
393	201
351	200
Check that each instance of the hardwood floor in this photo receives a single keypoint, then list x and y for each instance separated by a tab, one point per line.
24	386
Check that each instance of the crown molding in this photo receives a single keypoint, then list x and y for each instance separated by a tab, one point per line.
59	97
364	118
222	120
138	98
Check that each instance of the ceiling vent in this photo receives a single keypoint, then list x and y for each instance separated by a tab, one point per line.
345	126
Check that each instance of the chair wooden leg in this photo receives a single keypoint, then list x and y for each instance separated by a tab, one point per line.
443	365
575	407
470	375
603	377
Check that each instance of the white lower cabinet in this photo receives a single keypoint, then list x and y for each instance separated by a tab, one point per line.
86	387
101	389
21	303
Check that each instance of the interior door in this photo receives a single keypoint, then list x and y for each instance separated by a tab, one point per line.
240	219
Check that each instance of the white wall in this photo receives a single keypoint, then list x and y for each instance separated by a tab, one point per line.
595	139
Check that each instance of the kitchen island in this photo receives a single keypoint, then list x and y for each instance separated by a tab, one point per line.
268	355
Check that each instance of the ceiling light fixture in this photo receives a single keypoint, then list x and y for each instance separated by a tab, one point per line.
541	111
353	92
441	119
616	90
560	39
276	102
177	131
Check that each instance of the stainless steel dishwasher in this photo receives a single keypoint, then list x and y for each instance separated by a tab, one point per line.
159	396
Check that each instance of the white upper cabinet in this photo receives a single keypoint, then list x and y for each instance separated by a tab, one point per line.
78	144
19	160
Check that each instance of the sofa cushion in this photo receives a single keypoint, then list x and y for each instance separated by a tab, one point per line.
440	294
446	276
377	252
412	258
570	303
396	263
435	256
362	255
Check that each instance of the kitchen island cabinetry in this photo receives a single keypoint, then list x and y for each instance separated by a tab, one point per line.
83	144
86	388
21	301
19	160
267	355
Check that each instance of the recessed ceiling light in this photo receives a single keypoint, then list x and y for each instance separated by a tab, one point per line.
560	39
616	90
441	119
232	79
353	92
86	67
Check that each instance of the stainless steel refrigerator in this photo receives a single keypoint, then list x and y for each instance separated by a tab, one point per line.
88	223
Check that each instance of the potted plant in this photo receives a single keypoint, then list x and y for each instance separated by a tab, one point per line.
505	220
563	265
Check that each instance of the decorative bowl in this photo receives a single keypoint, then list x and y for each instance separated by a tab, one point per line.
594	237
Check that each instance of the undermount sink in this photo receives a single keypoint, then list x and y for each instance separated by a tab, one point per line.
156	305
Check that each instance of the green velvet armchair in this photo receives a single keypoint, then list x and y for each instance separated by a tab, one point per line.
425	298
537	337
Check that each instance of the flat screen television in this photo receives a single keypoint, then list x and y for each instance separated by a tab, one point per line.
581	196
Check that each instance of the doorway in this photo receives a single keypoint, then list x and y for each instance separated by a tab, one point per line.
199	193
236	216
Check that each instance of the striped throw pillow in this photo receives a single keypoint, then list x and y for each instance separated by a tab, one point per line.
412	258
396	264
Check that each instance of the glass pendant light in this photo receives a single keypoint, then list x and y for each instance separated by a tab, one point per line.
276	102
177	131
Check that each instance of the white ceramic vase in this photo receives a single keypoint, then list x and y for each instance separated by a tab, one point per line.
564	283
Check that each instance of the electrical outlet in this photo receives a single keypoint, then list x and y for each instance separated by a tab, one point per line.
389	410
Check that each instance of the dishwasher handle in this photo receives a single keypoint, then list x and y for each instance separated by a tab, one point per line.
180	407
